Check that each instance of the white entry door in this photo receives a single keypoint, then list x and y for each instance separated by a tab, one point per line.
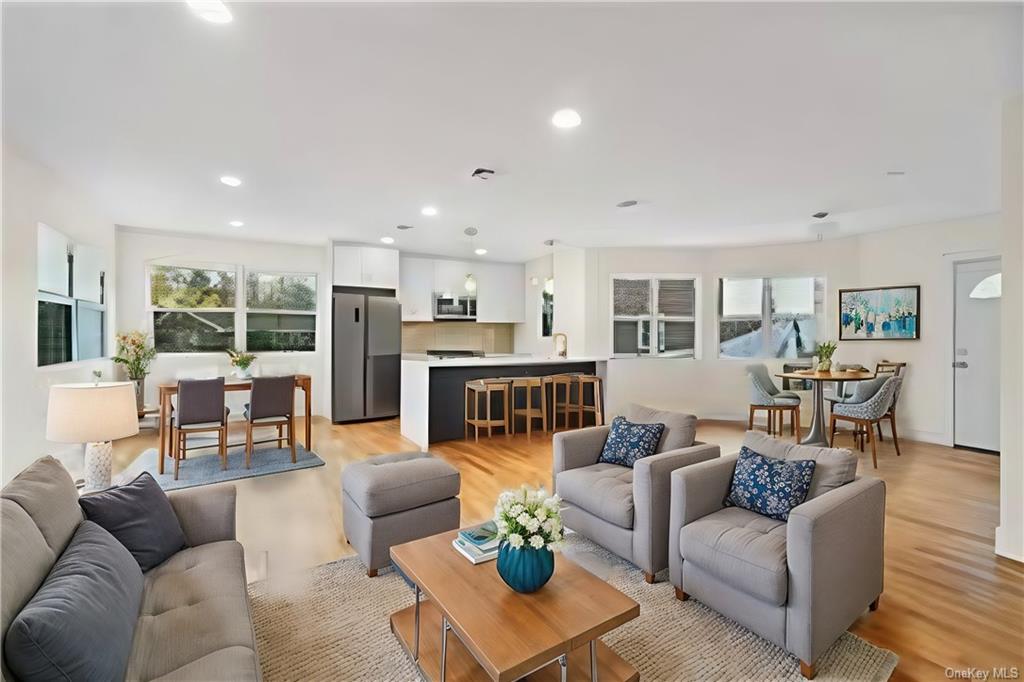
976	355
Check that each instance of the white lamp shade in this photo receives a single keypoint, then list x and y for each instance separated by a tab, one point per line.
91	413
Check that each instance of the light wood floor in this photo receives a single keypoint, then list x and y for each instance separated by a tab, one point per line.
948	600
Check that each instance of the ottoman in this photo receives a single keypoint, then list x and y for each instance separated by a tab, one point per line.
390	499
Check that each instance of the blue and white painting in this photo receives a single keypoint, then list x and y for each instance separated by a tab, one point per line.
878	314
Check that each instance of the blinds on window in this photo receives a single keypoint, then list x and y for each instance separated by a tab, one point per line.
631	297
676	297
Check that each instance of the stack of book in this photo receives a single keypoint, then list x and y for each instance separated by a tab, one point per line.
479	543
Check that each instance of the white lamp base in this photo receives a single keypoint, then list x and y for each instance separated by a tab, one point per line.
98	457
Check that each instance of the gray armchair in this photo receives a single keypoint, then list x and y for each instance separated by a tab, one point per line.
798	583
625	510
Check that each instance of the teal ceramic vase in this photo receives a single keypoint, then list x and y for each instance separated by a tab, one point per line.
525	569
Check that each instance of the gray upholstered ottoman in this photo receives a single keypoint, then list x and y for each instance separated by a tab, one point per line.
390	499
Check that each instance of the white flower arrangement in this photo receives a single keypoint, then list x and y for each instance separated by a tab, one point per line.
529	517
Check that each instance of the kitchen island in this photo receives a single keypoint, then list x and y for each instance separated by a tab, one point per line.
433	389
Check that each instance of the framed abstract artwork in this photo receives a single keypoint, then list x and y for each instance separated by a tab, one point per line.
880	314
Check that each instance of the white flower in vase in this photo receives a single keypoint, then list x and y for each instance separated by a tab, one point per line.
529	518
515	540
536	541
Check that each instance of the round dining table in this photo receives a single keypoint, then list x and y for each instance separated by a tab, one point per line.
817	434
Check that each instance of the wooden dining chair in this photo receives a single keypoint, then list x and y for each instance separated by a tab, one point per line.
200	409
271	403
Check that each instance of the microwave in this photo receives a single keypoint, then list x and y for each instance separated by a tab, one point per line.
449	307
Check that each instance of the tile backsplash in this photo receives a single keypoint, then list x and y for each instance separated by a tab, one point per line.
418	337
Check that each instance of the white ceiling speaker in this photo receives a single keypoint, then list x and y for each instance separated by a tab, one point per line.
471	232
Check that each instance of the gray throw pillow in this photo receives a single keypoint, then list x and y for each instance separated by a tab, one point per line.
79	624
141	517
680	429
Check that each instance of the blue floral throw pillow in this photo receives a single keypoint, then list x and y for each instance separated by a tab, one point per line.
767	486
627	442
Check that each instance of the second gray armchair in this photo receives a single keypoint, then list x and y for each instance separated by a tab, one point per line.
799	583
623	509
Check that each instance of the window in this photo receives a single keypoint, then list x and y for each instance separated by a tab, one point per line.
199	309
654	315
69	304
791	309
280	312
193	308
547	308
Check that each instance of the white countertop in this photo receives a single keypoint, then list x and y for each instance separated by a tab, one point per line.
494	360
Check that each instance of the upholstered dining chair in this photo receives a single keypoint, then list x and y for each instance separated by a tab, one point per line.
870	403
765	396
200	409
271	403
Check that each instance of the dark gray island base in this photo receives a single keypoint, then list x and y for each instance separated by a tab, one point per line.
447	394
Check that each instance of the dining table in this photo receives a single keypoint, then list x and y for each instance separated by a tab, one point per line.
818	379
165	391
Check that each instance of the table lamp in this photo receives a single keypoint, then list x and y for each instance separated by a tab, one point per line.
94	414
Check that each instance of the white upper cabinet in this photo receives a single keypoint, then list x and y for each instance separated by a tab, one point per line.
450	276
365	266
499	292
52	269
416	288
88	273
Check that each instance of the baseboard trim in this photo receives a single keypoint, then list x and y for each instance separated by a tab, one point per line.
1004	548
905	434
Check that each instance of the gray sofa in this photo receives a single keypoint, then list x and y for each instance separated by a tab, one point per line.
799	583
625	510
194	622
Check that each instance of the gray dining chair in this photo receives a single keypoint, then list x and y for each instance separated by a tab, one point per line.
200	409
764	395
271	403
871	402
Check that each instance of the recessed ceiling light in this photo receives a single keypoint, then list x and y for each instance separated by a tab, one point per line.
236	223
481	252
429	210
566	118
230	180
213	11
388	240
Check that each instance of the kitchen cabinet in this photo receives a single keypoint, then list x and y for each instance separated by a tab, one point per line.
365	266
500	292
450	276
416	289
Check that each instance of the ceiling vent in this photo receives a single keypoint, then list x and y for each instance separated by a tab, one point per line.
820	215
482	174
404	227
471	232
628	203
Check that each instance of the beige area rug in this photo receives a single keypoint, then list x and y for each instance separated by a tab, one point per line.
332	624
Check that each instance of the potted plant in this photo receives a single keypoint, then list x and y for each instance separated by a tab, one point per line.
135	353
242	362
824	353
530	529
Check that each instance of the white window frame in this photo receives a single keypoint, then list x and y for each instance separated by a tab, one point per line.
766	313
654	317
240	309
246	309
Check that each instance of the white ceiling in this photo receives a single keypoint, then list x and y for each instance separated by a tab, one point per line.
730	123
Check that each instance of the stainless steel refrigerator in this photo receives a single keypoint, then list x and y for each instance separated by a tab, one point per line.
367	356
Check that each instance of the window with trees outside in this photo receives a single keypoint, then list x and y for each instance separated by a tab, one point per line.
202	309
280	311
776	317
655	315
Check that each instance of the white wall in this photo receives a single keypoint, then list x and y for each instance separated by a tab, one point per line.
527	334
32	194
570	272
137	249
1010	533
717	388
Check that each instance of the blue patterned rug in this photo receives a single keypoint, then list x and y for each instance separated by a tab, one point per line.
203	467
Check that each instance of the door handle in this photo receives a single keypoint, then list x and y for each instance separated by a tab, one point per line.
960	365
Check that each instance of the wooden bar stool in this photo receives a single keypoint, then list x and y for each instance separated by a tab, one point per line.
530	412
486	387
597	408
567	382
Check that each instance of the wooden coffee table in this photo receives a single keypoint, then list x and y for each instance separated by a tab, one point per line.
501	634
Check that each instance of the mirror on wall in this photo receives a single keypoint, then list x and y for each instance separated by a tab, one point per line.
547	308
